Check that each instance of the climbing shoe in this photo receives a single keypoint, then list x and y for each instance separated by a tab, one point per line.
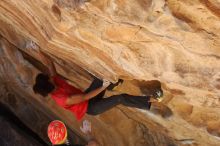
158	95
112	86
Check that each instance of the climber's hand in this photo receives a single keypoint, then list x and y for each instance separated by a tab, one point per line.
106	83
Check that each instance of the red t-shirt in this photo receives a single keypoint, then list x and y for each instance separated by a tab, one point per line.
65	90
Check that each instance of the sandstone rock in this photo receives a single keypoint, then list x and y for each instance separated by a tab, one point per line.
175	42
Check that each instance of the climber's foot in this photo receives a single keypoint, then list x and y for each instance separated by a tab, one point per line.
112	86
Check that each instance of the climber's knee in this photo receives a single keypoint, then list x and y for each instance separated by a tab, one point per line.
93	111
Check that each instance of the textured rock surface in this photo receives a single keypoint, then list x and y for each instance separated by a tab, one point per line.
16	94
12	136
14	132
176	42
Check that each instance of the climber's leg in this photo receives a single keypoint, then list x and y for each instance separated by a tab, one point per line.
141	102
94	85
112	86
98	106
98	83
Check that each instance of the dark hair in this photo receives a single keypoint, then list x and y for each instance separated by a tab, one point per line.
42	85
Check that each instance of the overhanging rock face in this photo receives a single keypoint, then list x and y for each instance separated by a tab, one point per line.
175	42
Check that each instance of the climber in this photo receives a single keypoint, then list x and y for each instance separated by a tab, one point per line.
90	101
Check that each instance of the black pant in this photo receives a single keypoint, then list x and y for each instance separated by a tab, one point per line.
98	104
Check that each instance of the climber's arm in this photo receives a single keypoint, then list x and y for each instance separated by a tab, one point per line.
46	60
75	99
